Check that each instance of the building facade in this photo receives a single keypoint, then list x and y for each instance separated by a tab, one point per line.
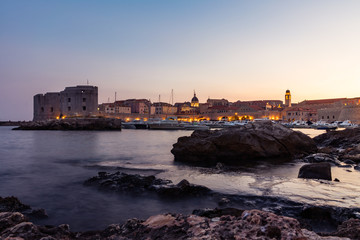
79	101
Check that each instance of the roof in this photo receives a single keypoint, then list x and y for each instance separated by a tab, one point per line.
322	101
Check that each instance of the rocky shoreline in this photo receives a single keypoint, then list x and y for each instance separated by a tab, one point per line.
218	223
237	217
98	124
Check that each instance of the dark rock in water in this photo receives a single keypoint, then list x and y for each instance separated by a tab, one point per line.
38	213
12	204
322	157
350	229
348	161
74	124
339	139
316	171
258	140
126	183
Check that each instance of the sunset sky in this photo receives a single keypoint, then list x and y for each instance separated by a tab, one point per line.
238	50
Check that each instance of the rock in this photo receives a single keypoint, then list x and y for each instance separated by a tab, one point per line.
73	124
223	201
336	180
316	171
348	161
38	213
258	140
322	157
226	223
357	167
10	219
350	229
12	204
127	183
218	212
339	139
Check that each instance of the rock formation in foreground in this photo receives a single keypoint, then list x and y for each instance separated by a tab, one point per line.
137	184
74	124
257	140
251	224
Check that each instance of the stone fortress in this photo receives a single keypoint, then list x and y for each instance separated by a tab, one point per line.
79	101
82	102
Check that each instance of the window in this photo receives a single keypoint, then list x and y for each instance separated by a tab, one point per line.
84	99
69	99
328	117
333	117
42	109
84	108
69	108
52	109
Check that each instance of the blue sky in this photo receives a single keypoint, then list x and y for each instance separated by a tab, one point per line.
239	50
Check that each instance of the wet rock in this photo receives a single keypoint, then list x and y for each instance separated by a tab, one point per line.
350	229
224	201
258	140
348	161
182	189
357	167
38	213
218	212
322	157
217	224
10	219
12	204
339	139
336	180
127	183
316	171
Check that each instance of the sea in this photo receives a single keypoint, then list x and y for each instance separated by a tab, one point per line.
47	169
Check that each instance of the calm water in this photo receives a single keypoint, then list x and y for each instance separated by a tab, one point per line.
46	169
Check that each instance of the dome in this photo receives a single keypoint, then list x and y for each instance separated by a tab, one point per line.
194	99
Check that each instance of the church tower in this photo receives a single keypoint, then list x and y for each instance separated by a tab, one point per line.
194	101
287	98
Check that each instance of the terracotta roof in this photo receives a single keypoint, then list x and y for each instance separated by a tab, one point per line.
322	101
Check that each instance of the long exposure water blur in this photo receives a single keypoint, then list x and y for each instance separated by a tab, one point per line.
46	169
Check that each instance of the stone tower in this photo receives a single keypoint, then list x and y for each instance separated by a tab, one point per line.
287	98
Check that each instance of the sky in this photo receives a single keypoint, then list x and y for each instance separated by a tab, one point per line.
238	50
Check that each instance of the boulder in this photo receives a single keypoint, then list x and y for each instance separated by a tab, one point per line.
316	171
258	140
349	228
339	139
137	184
322	157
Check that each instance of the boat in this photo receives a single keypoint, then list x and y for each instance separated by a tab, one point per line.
135	124
195	126
170	123
322	125
347	124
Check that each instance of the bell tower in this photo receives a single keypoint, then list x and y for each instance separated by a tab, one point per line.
287	98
